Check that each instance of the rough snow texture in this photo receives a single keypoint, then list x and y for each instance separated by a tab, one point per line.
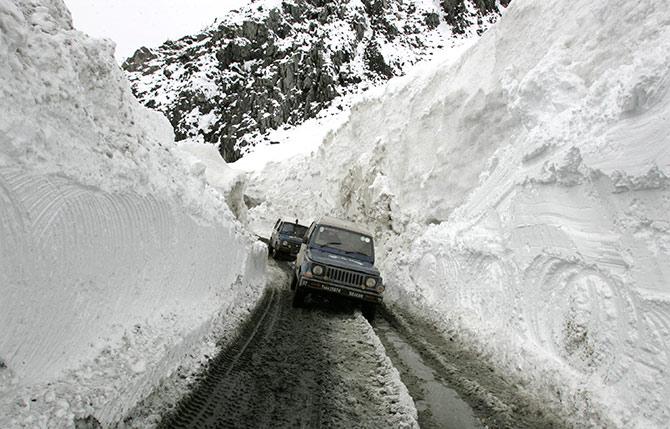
205	160
520	196
274	63
114	259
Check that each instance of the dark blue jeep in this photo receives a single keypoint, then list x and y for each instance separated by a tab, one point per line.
337	257
286	238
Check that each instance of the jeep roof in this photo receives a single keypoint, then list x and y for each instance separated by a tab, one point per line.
343	224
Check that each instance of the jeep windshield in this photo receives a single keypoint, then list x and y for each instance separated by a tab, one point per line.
293	229
343	241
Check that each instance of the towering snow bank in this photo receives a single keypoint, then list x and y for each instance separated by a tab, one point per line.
115	260
522	198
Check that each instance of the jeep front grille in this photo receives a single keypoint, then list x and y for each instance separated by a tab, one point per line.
349	278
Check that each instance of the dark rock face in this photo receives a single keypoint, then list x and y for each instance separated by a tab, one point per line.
457	15
137	61
262	68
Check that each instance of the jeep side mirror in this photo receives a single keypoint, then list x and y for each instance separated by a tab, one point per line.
305	238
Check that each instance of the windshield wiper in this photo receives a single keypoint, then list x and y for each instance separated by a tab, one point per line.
356	252
330	243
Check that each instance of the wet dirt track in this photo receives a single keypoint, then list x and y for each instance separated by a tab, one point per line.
454	389
324	366
307	368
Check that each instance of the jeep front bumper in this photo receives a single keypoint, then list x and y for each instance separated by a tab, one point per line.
317	285
289	248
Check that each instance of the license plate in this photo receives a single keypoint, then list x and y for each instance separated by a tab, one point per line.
343	291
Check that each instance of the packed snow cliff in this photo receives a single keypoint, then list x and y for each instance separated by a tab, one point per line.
116	258
521	198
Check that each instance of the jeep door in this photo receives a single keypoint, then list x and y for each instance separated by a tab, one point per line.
303	247
273	236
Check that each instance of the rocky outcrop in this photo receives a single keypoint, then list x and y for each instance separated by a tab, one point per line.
459	14
261	68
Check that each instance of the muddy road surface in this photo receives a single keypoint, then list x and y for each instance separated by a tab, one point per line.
325	366
452	388
299	368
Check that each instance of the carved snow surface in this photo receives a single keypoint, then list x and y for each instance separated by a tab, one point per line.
116	263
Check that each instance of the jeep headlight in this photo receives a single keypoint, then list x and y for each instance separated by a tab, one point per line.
317	270
370	282
284	243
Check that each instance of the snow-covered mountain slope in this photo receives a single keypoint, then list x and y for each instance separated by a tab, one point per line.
521	198
276	63
116	259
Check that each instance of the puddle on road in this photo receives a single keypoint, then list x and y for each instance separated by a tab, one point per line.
439	406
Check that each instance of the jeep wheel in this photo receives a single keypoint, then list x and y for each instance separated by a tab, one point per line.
298	298
294	281
369	311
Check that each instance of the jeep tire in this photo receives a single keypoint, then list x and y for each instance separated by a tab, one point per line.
298	298
369	310
294	281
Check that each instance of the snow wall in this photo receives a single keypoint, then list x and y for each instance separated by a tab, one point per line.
521	200
116	259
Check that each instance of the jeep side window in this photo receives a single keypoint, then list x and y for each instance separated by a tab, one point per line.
299	230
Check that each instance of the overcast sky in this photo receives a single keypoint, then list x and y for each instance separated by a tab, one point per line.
135	23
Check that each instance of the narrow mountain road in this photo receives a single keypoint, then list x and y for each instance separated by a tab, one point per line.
309	368
325	366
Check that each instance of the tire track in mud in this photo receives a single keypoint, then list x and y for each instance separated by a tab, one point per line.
321	366
325	366
199	409
495	401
